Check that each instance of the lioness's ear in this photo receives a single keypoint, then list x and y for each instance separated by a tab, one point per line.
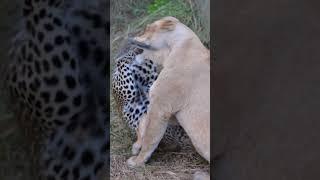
168	23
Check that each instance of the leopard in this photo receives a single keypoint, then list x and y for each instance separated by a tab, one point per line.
57	76
132	79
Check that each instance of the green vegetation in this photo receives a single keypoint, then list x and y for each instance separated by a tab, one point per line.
131	16
156	5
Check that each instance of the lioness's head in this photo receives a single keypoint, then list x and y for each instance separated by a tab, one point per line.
162	36
161	33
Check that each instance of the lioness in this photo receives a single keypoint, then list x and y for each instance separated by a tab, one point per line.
182	89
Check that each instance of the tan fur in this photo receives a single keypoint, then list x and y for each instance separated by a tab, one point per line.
181	90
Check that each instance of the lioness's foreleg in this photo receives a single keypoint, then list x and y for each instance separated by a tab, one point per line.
155	126
140	131
137	145
162	106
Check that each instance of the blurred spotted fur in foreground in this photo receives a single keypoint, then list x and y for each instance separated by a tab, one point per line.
57	76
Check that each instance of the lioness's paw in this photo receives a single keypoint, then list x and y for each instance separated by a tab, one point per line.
136	147
133	162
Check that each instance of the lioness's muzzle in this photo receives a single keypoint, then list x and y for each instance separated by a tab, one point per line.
140	44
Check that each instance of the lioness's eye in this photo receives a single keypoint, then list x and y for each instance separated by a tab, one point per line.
148	27
142	32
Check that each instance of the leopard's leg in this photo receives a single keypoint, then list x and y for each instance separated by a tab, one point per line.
170	142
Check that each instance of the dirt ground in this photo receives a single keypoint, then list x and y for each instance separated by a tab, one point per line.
125	15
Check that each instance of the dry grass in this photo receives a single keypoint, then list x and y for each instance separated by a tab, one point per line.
129	16
163	165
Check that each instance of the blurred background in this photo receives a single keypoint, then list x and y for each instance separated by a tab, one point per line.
15	162
129	16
